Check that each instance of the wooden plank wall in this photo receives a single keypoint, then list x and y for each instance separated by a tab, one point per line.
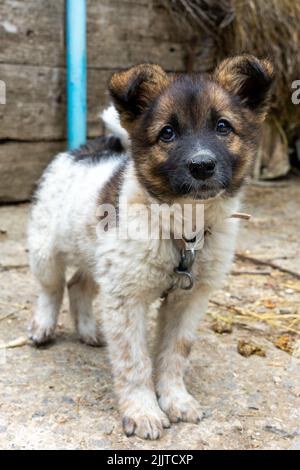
32	64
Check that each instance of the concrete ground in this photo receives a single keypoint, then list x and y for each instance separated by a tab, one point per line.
61	396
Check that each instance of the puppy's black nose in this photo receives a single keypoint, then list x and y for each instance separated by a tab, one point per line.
202	168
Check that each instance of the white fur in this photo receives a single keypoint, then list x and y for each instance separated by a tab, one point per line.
110	117
131	276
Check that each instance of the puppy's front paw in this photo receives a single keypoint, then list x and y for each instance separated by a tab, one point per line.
179	405
41	334
94	338
145	425
89	332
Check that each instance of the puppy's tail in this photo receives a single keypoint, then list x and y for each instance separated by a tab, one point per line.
111	119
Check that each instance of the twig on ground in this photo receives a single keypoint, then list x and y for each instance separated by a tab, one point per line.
10	304
7	316
16	343
251	273
10	267
260	262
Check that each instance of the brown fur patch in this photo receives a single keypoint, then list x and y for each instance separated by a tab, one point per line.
248	78
133	89
110	193
103	146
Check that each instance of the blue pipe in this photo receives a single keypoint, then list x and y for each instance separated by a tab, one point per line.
76	72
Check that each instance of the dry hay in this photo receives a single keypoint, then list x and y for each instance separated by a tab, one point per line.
288	323
274	314
266	28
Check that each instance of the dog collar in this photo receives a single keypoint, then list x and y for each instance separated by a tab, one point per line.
187	248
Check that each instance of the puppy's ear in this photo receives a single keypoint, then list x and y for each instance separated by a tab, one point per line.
248	78
133	90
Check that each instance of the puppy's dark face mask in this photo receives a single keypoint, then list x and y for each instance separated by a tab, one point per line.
193	136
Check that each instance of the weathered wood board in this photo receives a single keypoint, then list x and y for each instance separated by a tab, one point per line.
32	32
36	102
21	165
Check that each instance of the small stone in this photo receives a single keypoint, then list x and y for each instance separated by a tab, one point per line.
284	311
100	443
39	414
237	425
276	380
289	291
68	400
207	414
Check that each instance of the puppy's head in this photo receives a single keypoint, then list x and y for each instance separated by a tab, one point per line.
191	135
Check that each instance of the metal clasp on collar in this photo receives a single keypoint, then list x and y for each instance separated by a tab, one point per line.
187	258
188	275
183	270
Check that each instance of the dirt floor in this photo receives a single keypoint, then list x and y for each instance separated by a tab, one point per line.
61	396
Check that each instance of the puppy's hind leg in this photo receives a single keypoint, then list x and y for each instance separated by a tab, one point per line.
50	276
82	291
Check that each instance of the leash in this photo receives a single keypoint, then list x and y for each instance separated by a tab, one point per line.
184	277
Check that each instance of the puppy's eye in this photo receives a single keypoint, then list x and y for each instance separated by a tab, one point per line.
223	127
167	134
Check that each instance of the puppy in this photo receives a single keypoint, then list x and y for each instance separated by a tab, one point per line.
189	139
